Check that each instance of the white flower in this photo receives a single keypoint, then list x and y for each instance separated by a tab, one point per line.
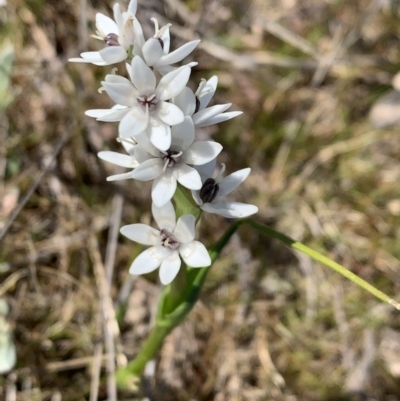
142	105
213	189
118	36
168	167
171	240
155	51
195	104
120	159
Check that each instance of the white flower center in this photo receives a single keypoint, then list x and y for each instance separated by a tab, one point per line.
150	101
170	158
168	239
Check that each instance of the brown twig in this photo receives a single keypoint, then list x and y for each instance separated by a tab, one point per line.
110	325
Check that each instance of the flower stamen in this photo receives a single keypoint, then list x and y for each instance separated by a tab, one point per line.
111	40
209	190
170	157
168	239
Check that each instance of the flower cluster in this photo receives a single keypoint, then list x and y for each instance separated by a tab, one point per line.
158	115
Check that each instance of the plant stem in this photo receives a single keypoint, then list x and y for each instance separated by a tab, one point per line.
148	352
171	313
322	259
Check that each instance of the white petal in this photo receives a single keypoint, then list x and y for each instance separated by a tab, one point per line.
113	115
119	177
141	233
186	101
195	254
159	134
232	181
121	93
196	197
185	228
178	54
105	25
146	148
219	118
173	83
207	92
132	7
113	54
141	154
187	176
118	18
118	159
165	37
229	209
96	113
152	51
118	79
206	170
205	114
165	69
164	216
149	260
202	152
182	135
89	57
142	76
139	38
148	170
129	147
134	122
170	267
163	189
169	113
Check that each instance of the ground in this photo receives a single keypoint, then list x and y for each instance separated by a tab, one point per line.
271	324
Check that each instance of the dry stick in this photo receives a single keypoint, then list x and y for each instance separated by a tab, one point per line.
344	44
115	221
48	167
289	37
11	280
111	328
11	390
252	60
96	367
72	364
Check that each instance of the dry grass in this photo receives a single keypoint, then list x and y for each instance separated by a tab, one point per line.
271	325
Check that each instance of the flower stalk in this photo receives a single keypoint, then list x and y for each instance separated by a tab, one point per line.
166	322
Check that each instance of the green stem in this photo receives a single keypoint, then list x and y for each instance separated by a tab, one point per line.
127	375
167	320
322	259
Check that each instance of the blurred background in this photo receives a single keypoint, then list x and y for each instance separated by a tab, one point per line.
319	130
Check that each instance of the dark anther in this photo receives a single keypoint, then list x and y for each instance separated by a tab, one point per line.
111	40
209	190
161	43
197	105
